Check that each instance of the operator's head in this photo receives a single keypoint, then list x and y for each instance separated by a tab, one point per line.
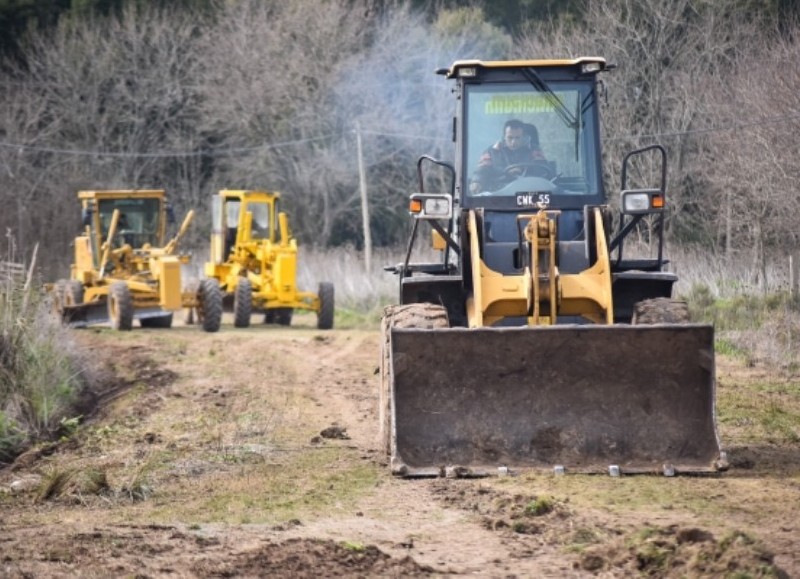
514	134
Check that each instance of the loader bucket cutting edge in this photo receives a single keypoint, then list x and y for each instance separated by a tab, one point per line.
583	397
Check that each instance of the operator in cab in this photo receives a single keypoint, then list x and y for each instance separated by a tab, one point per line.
509	158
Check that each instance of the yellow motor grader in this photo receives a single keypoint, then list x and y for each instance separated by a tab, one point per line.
124	268
534	343
254	261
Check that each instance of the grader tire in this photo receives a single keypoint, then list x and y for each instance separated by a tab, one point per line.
193	287
660	311
210	310
326	306
73	293
283	316
242	303
120	306
164	321
423	316
58	297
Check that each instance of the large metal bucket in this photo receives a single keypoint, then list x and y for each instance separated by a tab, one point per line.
582	398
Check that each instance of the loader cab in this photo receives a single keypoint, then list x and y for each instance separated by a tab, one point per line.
552	106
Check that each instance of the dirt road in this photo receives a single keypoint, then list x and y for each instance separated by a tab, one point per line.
253	452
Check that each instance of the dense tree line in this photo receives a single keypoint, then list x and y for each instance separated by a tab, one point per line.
195	96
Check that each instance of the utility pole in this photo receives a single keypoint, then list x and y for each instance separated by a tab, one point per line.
362	182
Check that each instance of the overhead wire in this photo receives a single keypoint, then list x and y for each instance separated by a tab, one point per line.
230	151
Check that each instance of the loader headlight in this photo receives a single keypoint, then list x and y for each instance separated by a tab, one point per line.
431	206
641	201
587	67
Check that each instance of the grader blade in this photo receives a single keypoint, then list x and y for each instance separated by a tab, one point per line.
581	398
88	314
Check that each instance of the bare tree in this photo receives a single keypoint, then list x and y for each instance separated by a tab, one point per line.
99	104
667	52
753	163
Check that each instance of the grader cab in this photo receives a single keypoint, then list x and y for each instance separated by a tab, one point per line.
254	261
124	267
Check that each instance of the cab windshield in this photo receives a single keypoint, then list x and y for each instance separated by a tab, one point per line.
260	224
519	139
138	220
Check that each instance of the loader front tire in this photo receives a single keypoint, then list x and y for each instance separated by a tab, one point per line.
209	311
424	316
326	306
120	306
242	303
660	311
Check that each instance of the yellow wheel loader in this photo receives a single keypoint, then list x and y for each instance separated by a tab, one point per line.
534	343
125	268
254	261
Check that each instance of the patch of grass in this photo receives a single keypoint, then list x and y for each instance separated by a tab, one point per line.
582	538
138	487
42	371
53	484
304	485
777	420
352	546
726	347
349	319
736	537
753	410
540	506
749	326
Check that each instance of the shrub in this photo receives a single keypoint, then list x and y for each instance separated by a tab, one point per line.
41	370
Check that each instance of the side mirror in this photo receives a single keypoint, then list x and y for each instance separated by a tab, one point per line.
170	214
86	216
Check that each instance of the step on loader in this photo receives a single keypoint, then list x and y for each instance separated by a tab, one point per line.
125	268
254	261
535	343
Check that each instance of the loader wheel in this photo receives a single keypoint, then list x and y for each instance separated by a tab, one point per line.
326	308
157	322
660	311
242	303
425	316
209	310
120	306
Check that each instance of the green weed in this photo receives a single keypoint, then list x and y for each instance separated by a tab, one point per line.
42	372
540	506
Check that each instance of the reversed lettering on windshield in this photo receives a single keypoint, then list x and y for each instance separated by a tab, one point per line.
518	103
533	199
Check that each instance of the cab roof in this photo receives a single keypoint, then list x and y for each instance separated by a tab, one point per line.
460	64
122	193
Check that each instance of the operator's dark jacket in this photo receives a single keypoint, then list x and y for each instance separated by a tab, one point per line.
494	161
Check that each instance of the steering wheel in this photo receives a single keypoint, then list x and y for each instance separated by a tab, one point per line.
532	169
